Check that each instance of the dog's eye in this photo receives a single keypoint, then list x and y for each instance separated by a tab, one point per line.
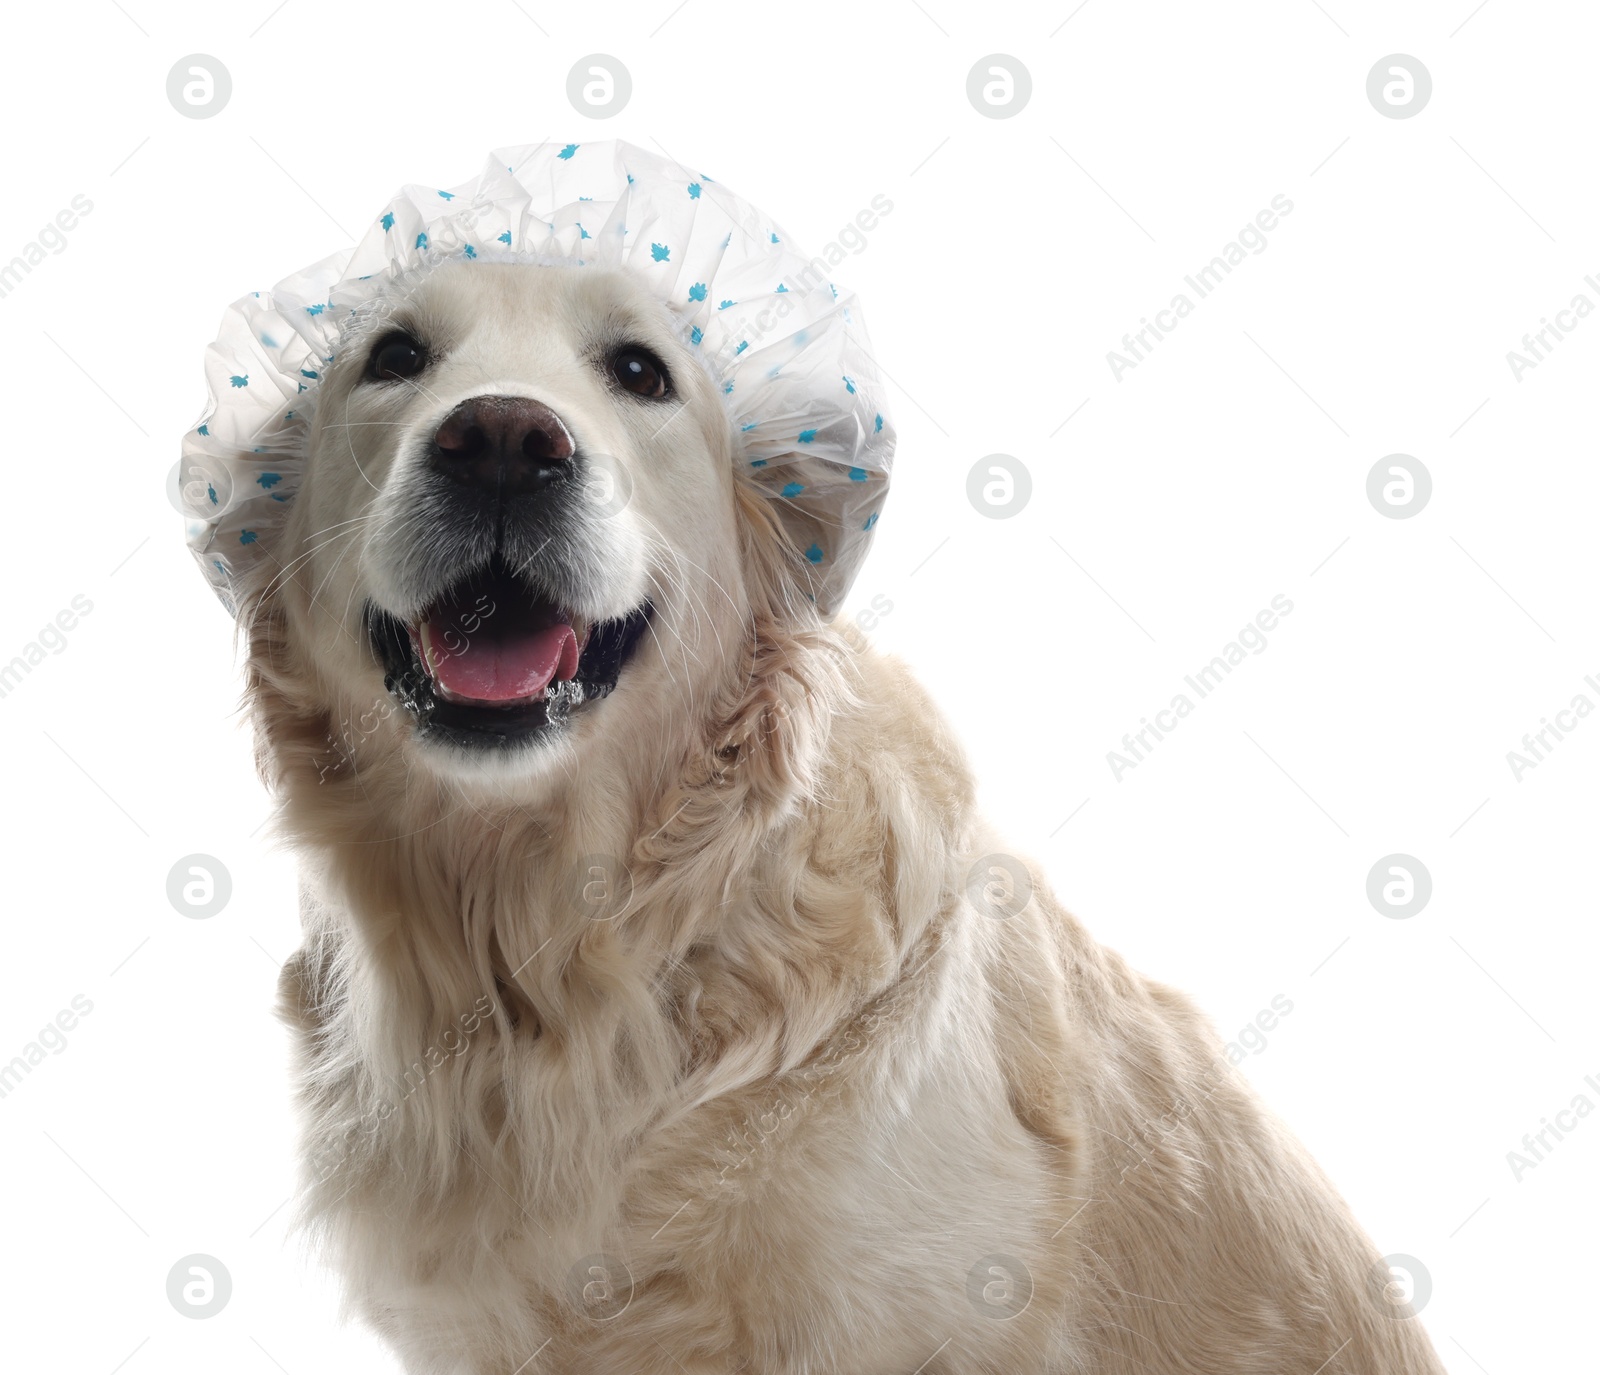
639	371
396	357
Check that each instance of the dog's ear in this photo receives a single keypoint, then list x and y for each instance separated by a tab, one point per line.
759	751
809	521
294	734
760	754
774	568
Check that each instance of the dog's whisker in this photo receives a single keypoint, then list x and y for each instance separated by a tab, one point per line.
350	444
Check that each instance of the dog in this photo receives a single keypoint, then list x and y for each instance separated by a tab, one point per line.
665	1004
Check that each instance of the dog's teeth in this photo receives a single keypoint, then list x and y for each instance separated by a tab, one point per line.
564	697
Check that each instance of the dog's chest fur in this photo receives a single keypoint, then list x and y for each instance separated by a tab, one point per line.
582	1211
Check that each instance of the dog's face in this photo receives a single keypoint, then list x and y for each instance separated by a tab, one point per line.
519	501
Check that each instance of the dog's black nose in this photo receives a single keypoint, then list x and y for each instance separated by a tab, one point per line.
510	445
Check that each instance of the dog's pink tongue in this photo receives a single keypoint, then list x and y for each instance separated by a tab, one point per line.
497	663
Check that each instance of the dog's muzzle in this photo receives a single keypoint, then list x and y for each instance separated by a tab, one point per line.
496	652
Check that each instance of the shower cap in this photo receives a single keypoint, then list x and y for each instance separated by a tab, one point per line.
787	347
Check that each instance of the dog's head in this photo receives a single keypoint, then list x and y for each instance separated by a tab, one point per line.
520	509
537	480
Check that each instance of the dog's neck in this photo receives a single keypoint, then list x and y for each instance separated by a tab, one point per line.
564	904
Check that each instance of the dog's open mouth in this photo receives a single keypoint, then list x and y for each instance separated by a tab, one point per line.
491	661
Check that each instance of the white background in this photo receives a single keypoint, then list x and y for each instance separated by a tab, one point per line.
1171	507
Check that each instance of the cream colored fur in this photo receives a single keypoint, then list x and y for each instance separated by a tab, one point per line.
802	1108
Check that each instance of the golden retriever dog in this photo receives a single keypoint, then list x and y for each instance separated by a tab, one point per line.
666	1007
